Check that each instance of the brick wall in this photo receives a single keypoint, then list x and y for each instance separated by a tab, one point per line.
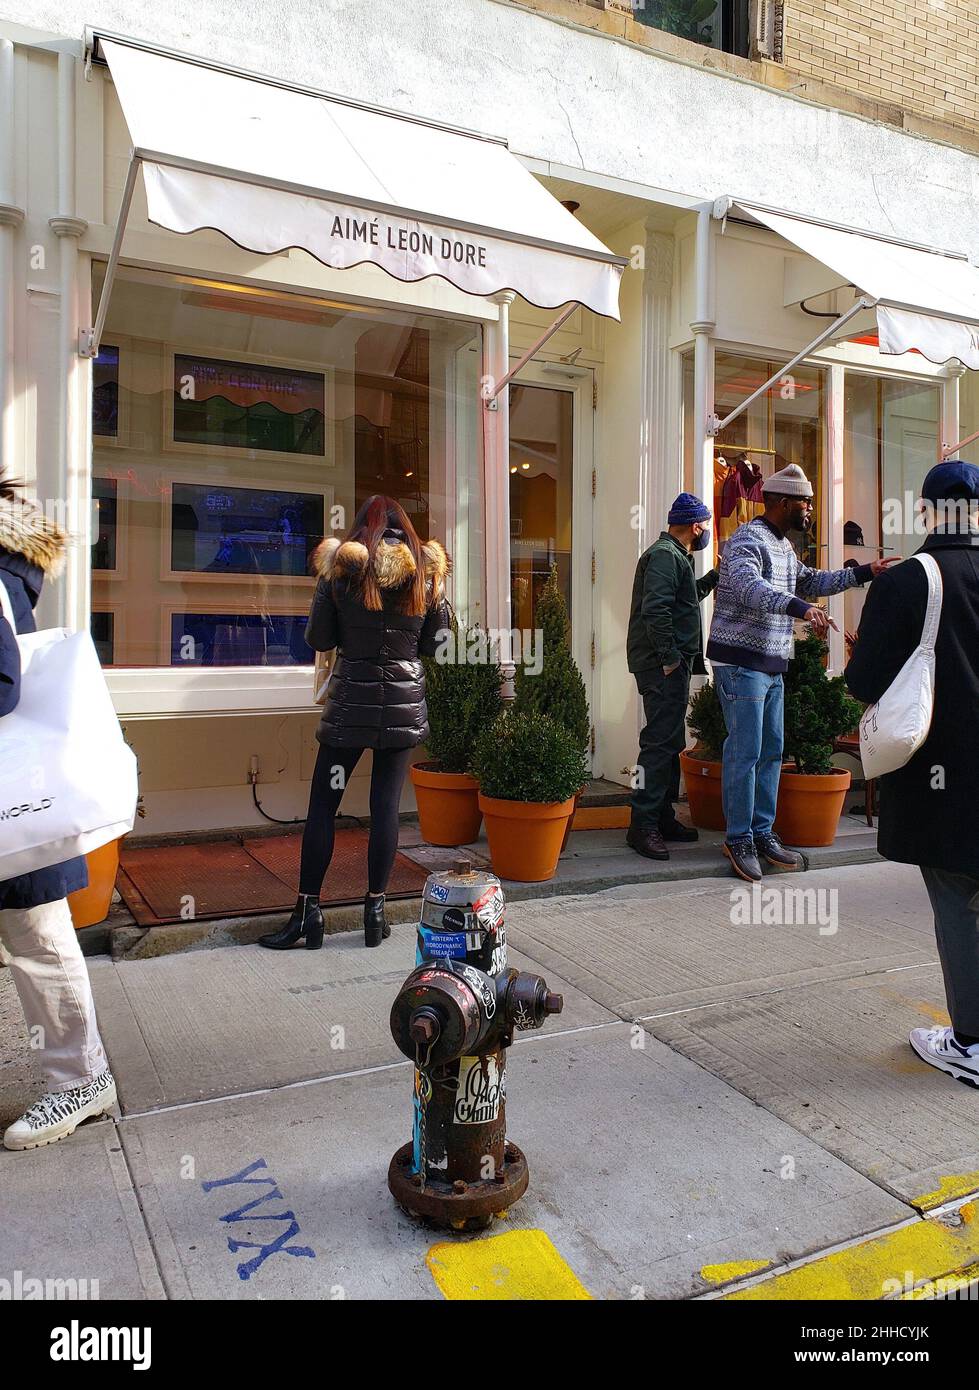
922	55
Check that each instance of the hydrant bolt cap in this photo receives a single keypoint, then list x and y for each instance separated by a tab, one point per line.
424	1026
553	1003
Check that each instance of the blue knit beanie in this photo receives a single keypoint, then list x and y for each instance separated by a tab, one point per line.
687	509
949	480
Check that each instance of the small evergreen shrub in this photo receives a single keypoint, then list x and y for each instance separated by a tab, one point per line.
527	756
817	709
558	690
706	720
463	697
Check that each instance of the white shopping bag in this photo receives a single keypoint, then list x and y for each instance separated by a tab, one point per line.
893	730
67	777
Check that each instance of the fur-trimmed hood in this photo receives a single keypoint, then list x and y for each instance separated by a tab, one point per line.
26	531
394	564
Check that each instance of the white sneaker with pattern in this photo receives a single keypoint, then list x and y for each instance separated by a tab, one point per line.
59	1113
937	1047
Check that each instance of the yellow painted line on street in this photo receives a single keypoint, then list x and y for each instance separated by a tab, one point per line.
888	1264
949	1189
946	1287
737	1269
515	1266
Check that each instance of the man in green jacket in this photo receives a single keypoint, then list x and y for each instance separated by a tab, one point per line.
664	648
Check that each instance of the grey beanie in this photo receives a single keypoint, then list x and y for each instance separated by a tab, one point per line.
789	481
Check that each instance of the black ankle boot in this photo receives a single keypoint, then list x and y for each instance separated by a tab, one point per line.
306	921
376	928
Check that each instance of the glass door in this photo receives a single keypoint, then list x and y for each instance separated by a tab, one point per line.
550	500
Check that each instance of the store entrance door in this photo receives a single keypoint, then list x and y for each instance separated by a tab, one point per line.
551	459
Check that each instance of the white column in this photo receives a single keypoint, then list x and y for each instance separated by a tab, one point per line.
703	327
660	460
11	217
74	464
950	431
833	509
496	473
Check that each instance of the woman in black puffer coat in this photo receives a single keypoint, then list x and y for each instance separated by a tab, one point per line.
380	603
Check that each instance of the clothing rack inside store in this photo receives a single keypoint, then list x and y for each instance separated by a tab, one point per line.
745	449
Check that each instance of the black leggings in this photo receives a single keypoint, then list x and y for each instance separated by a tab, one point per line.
330	777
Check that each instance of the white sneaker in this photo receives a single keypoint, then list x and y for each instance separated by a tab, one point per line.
59	1113
937	1047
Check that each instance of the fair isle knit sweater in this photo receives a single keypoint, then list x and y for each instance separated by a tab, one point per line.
762	588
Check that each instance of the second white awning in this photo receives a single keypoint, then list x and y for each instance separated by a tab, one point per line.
273	166
926	300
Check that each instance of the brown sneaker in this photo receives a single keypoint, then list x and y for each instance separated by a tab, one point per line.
647	841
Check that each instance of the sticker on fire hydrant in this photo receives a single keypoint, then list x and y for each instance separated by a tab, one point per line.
482	1086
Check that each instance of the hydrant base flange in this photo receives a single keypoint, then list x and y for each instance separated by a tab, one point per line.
444	1205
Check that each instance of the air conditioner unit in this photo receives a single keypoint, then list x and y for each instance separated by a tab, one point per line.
767	30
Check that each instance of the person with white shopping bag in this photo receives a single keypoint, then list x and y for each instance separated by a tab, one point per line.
37	936
921	678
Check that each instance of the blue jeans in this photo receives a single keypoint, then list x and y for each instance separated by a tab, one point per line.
752	702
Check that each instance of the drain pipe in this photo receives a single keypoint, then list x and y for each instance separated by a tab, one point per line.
11	218
73	375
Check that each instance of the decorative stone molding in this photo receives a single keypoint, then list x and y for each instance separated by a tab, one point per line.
10	216
68	226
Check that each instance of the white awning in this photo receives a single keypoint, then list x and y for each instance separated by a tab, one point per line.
926	300
272	167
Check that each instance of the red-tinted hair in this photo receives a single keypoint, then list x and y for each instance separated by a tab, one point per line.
377	515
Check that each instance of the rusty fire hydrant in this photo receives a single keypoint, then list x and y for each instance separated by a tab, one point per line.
455	1021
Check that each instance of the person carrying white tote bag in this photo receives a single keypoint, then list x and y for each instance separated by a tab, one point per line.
67	777
892	730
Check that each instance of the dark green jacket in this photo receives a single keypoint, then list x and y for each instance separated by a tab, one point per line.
664	623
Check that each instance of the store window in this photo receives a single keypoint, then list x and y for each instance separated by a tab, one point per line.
234	428
890	442
785	425
968	416
722	24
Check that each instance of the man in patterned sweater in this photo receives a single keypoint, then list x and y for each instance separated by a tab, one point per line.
762	588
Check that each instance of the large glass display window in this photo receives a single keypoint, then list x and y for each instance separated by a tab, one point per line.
233	428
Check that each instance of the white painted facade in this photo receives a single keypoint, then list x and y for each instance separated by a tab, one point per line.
640	140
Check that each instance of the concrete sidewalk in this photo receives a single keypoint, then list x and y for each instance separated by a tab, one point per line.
722	1107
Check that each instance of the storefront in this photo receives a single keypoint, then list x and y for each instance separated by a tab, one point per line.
235	315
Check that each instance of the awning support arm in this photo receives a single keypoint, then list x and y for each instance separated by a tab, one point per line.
715	426
90	339
490	397
949	449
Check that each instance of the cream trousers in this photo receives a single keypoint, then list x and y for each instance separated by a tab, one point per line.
51	978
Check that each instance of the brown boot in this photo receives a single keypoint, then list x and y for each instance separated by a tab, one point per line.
647	841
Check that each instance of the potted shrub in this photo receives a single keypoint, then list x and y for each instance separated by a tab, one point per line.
462	692
557	690
817	711
701	763
529	768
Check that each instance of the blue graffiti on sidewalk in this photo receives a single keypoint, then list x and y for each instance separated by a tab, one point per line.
278	1246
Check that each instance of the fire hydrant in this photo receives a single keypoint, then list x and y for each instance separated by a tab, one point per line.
455	1021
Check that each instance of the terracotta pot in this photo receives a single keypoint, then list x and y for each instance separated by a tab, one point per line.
570	826
90	905
702	780
448	808
525	836
810	806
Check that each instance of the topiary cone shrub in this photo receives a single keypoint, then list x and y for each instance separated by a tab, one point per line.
462	693
558	689
706	721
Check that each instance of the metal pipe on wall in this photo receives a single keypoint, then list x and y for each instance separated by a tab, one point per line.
496	471
73	481
11	217
703	365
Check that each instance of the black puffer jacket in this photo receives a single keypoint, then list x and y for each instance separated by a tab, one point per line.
376	695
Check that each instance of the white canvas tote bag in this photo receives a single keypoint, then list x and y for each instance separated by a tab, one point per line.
67	777
895	728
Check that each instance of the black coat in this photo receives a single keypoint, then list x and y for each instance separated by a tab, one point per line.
29	547
928	807
376	694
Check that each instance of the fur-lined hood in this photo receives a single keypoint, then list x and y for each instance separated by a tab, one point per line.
394	564
26	531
